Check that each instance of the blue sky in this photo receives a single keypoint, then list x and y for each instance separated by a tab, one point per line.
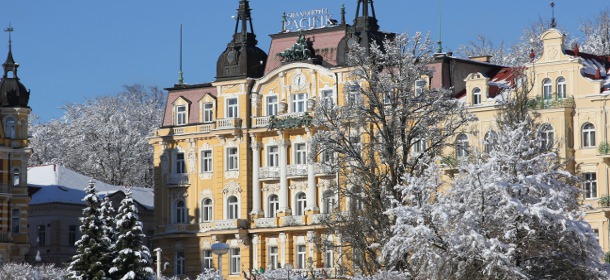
70	50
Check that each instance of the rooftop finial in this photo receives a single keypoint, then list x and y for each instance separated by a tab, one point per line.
439	48
553	22
180	76
342	13
9	29
284	20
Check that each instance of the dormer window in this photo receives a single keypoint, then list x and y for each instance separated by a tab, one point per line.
208	112
181	115
476	96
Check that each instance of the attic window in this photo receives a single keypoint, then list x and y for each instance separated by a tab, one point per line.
180	115
476	96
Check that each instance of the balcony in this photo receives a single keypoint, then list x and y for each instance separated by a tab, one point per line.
539	103
6	237
324	169
176	228
265	222
260	121
206	128
230	123
317	219
179	180
207	226
230	224
269	172
283	121
293	221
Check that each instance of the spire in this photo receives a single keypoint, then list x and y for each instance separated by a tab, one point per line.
10	65
363	18
245	18
342	13
180	76
553	22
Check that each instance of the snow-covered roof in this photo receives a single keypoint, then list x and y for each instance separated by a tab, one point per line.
63	185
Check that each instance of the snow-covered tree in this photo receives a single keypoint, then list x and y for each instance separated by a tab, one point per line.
597	34
104	137
387	127
500	54
21	271
512	213
108	216
88	262
132	257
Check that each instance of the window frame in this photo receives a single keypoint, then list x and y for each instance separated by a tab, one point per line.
272	108
329	202
232	158
207	210
41	235
547	135
300	153
180	211
206	161
181	114
461	146
232	109
234	261
72	235
590	185
232	208
476	96
299	102
490	140
273	156
588	135
547	89
300	256
179	263
561	88
180	167
300	204
272	205
15	220
273	257
327	98
207	259
207	113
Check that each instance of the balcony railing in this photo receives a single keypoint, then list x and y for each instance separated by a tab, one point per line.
297	170
268	172
207	128
317	219
230	123
293	221
260	121
6	237
540	103
324	169
230	224
179	180
265	222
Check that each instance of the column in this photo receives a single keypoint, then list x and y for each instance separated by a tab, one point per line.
312	204
283	175
256	187
282	247
255	254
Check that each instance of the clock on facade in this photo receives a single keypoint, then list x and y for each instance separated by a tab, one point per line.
298	81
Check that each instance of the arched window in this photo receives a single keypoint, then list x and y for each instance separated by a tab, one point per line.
561	88
476	96
588	135
180	212
329	202
232	208
547	135
547	89
273	205
207	213
301	203
461	146
9	128
24	129
491	140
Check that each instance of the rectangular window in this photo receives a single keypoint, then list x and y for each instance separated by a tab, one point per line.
180	115
300	153
300	258
590	185
235	261
206	161
180	164
299	103
353	94
208	112
420	86
71	235
273	257
179	263
329	257
232	159
355	142
232	109
327	99
272	106
207	259
273	156
328	157
42	235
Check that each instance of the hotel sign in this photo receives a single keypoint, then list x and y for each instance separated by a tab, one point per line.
306	20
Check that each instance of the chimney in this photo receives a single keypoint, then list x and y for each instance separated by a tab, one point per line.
481	58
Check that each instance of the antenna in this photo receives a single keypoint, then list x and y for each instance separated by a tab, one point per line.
553	22
439	48
180	77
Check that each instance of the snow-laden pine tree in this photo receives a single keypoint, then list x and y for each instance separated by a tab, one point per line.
88	262
132	257
385	128
108	216
512	213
